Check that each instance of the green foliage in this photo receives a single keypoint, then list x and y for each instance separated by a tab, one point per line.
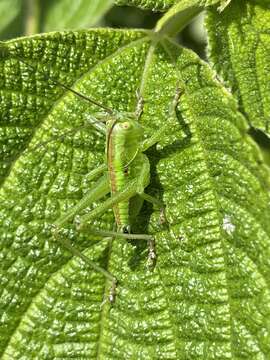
10	25
178	16
209	294
239	51
32	16
78	14
155	5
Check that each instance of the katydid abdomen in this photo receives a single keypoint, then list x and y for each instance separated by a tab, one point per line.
125	162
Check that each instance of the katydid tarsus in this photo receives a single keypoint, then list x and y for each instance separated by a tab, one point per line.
125	174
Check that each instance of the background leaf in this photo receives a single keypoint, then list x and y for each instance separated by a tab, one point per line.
239	49
28	17
178	17
65	14
10	23
208	297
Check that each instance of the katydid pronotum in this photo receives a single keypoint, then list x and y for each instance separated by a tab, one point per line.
125	175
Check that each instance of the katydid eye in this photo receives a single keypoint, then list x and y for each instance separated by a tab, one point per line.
126	125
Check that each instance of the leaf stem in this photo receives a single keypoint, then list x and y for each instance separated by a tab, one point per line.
178	17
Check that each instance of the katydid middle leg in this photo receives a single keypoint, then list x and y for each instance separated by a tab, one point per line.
159	134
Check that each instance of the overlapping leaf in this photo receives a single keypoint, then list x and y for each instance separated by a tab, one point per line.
208	297
179	13
239	40
163	5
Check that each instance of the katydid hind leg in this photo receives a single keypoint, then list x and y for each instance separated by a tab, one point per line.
130	191
152	256
142	180
94	194
144	176
117	234
109	234
136	204
100	189
68	245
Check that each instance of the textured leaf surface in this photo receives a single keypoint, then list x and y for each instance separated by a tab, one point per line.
239	40
163	5
208	297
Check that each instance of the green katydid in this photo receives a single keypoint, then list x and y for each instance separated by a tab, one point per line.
125	175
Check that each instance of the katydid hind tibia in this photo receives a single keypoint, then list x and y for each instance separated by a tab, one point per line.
125	175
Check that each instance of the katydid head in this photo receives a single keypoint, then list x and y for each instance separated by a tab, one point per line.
125	126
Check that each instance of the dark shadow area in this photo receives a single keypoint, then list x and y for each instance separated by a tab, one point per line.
188	40
131	17
263	141
260	137
140	223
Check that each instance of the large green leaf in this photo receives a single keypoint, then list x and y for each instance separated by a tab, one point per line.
208	296
239	47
